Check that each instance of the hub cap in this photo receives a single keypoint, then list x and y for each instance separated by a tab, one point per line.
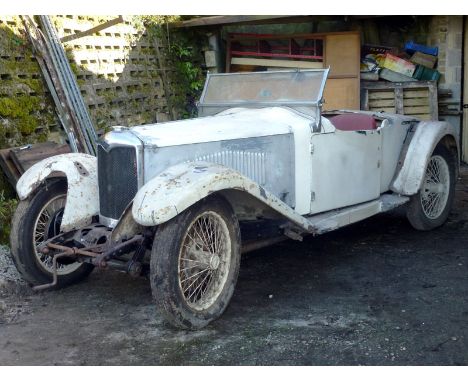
204	260
436	186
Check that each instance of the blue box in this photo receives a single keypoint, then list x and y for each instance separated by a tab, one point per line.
411	47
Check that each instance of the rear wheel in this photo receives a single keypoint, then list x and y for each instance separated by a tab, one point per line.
195	262
430	207
36	220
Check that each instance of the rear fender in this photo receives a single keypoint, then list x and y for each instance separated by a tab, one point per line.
416	154
82	194
181	186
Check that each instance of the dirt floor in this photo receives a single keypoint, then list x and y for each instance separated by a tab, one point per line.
375	293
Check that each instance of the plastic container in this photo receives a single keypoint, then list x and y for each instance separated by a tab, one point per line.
425	74
411	47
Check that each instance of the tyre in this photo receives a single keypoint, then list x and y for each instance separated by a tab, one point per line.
37	219
430	207
195	261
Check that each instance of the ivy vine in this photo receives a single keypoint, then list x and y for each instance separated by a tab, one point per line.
184	61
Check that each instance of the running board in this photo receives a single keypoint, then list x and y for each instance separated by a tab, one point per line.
335	219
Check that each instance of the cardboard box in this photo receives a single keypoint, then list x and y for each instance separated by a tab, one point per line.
398	65
424	59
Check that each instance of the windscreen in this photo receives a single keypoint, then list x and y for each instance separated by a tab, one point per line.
305	86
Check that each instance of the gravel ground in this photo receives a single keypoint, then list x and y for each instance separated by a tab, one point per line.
374	293
12	287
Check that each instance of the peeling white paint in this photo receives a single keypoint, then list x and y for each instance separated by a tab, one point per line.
82	195
426	137
181	186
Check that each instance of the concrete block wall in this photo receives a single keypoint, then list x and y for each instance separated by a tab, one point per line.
117	69
446	32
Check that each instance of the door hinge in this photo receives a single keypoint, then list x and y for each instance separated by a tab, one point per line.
312	148
312	197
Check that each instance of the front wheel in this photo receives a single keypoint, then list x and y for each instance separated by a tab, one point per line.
195	262
37	219
430	207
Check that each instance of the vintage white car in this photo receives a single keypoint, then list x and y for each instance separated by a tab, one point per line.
180	201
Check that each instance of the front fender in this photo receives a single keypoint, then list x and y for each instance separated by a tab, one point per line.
82	195
415	157
181	186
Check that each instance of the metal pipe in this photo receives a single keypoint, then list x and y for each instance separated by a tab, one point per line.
71	89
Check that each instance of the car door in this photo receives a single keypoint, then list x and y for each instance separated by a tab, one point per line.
346	168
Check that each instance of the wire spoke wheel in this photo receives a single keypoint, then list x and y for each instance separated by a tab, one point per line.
47	225
436	186
195	261
204	260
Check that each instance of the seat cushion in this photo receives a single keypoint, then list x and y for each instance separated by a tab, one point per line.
354	122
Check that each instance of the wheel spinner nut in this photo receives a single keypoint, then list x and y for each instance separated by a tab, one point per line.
214	262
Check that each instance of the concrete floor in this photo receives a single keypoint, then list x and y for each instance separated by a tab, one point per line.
375	293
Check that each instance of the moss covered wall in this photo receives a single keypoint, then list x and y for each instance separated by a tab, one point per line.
26	112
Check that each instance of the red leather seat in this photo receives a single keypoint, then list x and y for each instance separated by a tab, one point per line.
354	122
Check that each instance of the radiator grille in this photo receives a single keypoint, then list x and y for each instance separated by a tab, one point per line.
248	163
118	179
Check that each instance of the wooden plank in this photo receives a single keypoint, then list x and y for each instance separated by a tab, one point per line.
384	109
416	102
382	103
411	110
24	158
341	94
365	99
93	30
9	169
390	85
399	100
434	106
389	94
217	20
276	63
424	117
421	93
342	54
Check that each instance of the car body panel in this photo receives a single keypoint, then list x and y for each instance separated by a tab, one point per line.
181	186
424	139
345	169
82	193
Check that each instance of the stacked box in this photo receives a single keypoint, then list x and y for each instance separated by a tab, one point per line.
424	59
398	65
392	76
411	47
425	74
